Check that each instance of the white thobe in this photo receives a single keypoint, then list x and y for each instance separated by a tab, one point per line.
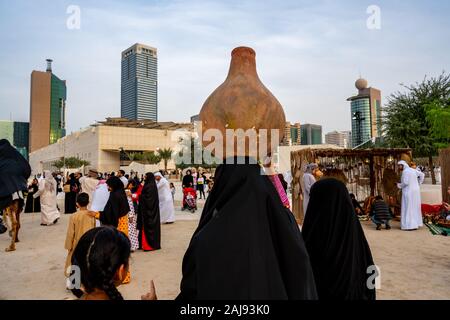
88	186
166	208
308	181
49	210
411	213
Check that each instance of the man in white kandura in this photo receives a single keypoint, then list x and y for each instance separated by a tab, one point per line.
47	192
411	217
166	209
308	181
89	184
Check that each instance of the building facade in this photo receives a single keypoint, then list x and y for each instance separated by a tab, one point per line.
311	134
342	139
139	83
17	134
365	113
47	108
102	144
292	134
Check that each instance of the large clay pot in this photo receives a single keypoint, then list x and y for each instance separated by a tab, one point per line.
243	102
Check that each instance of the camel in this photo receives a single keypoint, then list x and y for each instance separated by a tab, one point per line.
12	213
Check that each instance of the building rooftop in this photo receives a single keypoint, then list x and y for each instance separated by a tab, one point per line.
143	124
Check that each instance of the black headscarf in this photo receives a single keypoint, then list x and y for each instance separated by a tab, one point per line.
247	244
188	180
148	214
14	170
339	252
14	173
117	205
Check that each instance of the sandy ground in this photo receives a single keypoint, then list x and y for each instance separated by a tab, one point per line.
414	265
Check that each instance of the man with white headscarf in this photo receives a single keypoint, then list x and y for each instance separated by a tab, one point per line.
308	181
47	192
166	208
411	213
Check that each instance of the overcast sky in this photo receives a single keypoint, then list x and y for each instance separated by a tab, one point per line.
309	53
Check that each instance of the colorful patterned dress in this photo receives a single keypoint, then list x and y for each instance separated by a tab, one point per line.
132	230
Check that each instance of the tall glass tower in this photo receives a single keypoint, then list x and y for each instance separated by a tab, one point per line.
139	83
47	108
365	113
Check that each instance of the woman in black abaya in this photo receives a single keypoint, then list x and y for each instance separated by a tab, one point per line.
247	244
116	209
339	252
70	200
33	204
148	223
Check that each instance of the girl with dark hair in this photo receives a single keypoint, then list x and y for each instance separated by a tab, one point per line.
340	255
116	210
148	222
70	205
102	255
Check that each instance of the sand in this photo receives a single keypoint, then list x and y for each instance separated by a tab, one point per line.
414	265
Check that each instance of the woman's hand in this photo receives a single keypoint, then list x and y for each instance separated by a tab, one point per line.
151	295
92	213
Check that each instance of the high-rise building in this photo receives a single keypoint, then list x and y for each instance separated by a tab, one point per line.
311	134
47	108
365	113
339	138
195	118
139	83
17	134
292	134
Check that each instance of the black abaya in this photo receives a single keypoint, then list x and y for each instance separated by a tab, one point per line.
339	252
70	200
148	216
247	244
32	204
14	172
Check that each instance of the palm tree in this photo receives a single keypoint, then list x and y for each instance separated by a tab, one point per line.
166	155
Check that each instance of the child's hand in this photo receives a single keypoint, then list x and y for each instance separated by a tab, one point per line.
151	295
92	213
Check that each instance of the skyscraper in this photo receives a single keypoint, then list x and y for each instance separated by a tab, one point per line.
17	134
139	83
341	139
292	134
47	108
365	113
311	134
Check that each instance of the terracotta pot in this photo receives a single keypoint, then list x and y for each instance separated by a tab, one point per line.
243	102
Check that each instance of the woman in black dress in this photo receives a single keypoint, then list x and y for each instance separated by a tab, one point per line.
340	255
70	200
33	205
148	223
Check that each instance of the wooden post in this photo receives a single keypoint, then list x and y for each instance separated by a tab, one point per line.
444	159
372	176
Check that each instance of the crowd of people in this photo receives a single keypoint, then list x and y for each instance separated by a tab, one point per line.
247	244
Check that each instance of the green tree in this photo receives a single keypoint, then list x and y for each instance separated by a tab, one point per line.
166	155
418	117
70	162
151	157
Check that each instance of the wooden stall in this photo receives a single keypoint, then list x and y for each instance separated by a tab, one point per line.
366	172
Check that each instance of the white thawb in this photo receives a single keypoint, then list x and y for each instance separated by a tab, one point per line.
411	213
88	186
308	181
420	176
47	192
99	199
166	208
